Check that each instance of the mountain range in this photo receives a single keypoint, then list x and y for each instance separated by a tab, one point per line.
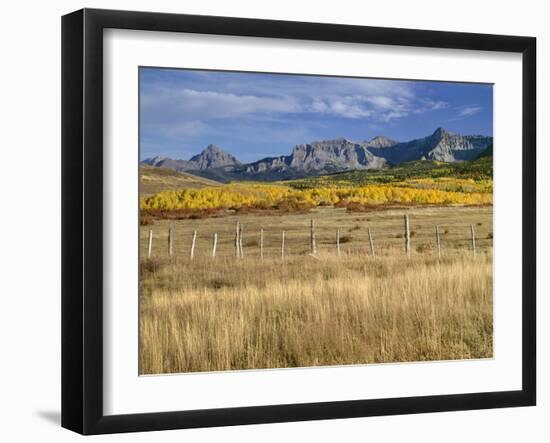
328	156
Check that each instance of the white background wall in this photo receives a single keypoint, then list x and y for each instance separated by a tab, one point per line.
30	218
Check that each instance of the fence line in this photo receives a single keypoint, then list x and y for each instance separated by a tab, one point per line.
193	241
261	243
473	240
407	236
150	243
214	244
241	242
313	250
386	236
438	242
170	240
237	239
371	244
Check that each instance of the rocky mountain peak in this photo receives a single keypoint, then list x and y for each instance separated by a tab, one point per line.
380	141
213	157
441	133
155	161
327	156
327	143
333	155
212	148
449	147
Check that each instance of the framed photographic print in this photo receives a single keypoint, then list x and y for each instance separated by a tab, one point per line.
269	221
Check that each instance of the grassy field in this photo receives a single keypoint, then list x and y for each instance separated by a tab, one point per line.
153	180
249	314
226	313
386	228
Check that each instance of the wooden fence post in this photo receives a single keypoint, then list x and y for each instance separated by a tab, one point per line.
214	244
241	241
192	252
338	242
371	243
438	242
170	240
472	232
283	244
313	247
237	252
150	243
407	236
261	243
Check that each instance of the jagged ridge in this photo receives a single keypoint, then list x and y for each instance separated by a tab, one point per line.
327	156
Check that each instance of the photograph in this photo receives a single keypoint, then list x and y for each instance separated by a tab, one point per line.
301	220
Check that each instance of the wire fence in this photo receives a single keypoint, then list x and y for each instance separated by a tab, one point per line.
399	235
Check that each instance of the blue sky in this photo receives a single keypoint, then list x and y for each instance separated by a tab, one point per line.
255	115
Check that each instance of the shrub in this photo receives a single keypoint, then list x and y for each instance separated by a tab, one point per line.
150	265
345	239
178	214
145	220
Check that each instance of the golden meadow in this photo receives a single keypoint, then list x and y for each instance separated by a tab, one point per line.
223	313
435	191
228	314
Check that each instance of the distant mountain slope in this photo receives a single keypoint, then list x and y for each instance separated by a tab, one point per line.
330	156
320	157
211	157
168	163
479	169
442	145
487	152
155	179
380	142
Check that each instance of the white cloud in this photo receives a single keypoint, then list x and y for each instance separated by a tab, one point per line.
435	105
319	106
469	110
187	111
381	101
174	104
347	107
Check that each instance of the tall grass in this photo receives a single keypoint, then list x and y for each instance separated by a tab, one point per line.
229	314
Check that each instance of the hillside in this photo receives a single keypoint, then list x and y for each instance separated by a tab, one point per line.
442	145
413	183
478	170
156	179
488	152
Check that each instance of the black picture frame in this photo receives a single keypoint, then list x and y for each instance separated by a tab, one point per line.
82	218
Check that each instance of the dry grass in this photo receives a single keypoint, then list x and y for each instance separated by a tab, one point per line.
229	314
153	180
386	227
